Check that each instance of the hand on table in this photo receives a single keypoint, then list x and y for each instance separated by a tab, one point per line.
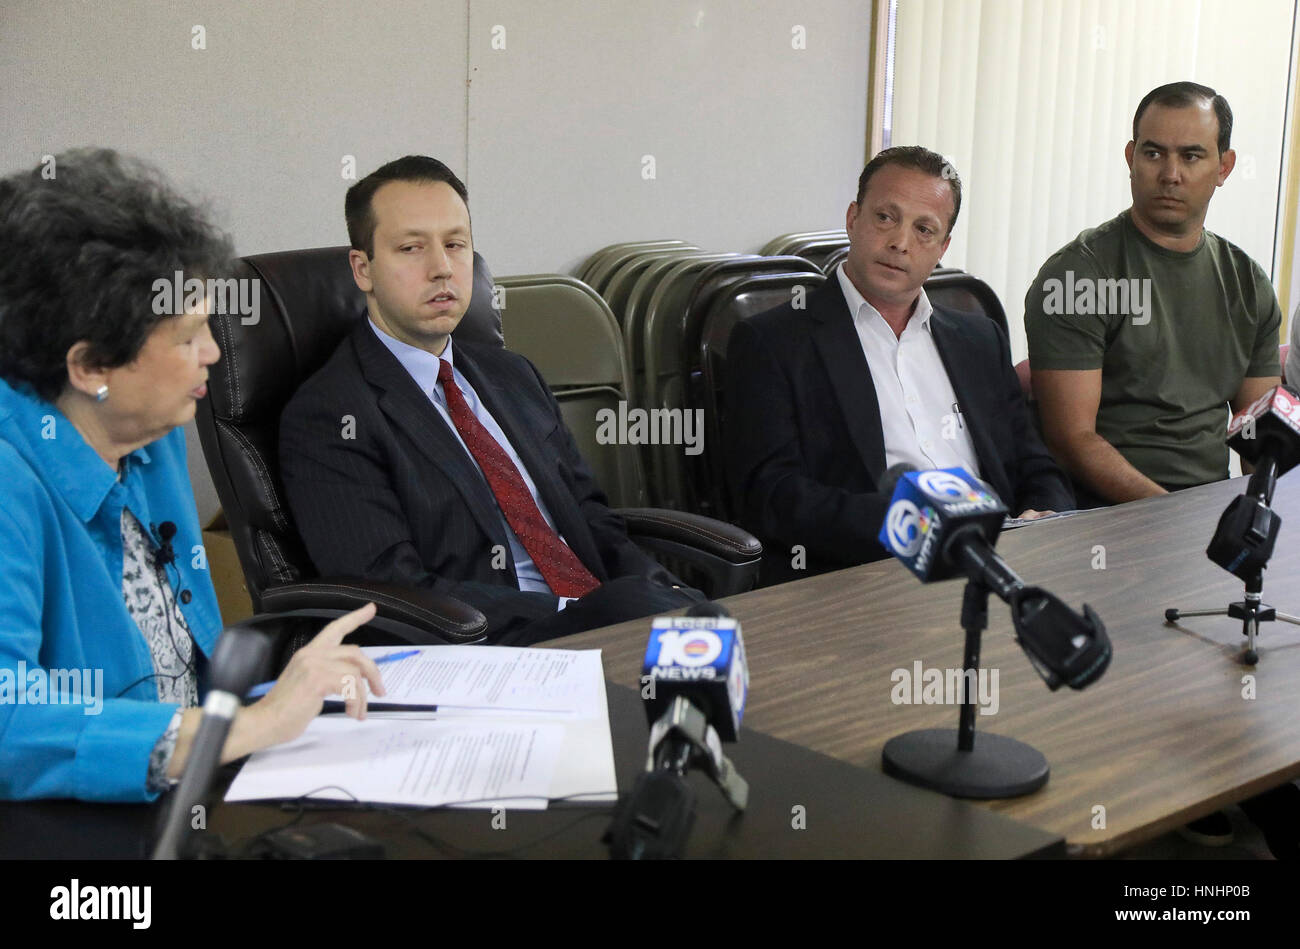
323	667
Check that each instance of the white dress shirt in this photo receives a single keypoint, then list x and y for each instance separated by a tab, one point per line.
919	415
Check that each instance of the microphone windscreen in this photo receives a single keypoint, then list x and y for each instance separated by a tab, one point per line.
239	659
928	510
889	480
1270	424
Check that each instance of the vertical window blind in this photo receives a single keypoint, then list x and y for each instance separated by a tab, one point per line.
1032	101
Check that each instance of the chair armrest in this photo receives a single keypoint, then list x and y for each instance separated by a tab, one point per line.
411	614
695	530
726	557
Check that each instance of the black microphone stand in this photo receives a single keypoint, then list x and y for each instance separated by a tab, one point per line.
999	766
655	820
1242	545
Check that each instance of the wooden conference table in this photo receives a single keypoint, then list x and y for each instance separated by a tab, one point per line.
1164	737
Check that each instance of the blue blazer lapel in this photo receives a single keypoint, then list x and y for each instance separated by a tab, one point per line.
846	367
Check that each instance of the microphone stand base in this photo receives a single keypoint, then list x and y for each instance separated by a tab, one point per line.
996	767
1252	611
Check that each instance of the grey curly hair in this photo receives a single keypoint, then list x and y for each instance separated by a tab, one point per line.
80	250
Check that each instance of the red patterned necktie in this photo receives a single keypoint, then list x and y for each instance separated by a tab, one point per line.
558	565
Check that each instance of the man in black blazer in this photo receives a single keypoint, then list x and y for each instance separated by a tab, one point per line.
822	400
412	459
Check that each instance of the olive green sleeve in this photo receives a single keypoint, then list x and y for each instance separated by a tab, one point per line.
1059	336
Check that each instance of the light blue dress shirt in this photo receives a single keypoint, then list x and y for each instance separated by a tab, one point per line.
423	368
61	605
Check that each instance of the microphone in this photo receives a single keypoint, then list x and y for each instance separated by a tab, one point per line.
1267	435
701	658
236	662
945	523
695	682
1268	431
163	534
933	515
889	480
165	556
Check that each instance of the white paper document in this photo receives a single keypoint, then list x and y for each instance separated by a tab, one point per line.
1011	523
584	773
420	762
514	728
494	677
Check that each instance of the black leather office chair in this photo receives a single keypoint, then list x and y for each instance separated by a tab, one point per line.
740	300
958	290
698	489
308	303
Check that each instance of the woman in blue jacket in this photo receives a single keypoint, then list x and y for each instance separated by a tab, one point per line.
104	640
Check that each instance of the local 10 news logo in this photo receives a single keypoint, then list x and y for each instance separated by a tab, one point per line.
690	647
689	652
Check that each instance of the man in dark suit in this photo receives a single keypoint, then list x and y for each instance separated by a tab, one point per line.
413	460
821	401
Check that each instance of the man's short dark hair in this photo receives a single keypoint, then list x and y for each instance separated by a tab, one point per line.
357	204
1180	95
921	159
83	238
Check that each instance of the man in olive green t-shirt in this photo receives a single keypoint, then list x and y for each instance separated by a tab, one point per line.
1144	330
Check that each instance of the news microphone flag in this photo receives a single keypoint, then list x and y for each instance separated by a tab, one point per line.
701	658
1270	424
927	509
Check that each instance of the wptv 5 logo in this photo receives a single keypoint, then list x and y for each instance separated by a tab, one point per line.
701	658
926	506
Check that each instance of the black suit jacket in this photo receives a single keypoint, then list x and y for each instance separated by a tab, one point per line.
805	447
401	500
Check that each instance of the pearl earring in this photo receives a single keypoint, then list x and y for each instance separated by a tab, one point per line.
101	393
